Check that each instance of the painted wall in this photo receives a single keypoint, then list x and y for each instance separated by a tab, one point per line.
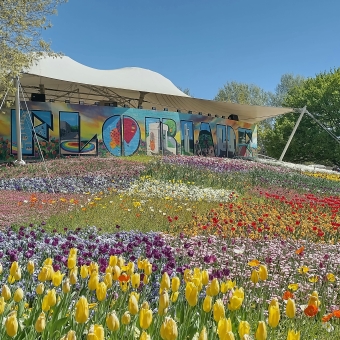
68	129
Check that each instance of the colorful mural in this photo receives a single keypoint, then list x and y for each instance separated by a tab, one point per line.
67	129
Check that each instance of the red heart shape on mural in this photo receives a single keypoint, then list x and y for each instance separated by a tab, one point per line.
130	129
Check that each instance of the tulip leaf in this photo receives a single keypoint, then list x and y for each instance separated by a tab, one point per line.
58	324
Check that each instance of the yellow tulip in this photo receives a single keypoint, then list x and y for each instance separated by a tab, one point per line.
144	336
187	275
165	282
214	287
261	332
99	332
40	324
93	281
18	295
145	318
82	310
101	291
116	273
71	262
108	280
6	292
175	284
174	296
292	335
168	329
66	286
236	299
2	305
45	305
274	313
84	271
203	335
113	261
314	299
135	280
243	329
57	278
207	304
91	335
290	308
163	300
223	327
205	277
11	324
112	321
146	279
191	294
30	267
40	288
17	275
131	268
71	335
133	305
73	277
52	298
218	310
228	336
120	262
73	252
255	276
263	272
48	262
93	267
148	269
126	318
44	274
14	268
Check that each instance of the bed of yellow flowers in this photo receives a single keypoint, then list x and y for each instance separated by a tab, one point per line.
118	304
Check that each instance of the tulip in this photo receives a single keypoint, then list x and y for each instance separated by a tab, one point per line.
48	262
44	274
71	335
236	299
116	273
165	282
290	308
126	318
52	298
175	283
214	287
11	324
93	281
144	336
145	279
131	268
187	275
205	277
66	286
82	310
135	280
93	267
261	332
148	269
203	335
255	276
30	267
112	321
73	277
99	332
14	268
263	272
71	262
45	305
133	305
218	310
228	336
18	295
163	300
40	288
113	261
174	296
243	329
6	292
84	271
207	304
191	294
145	318
274	313
108	280
223	327
314	299
120	262
292	335
17	275
57	278
101	291
168	329
2	305
40	323
91	335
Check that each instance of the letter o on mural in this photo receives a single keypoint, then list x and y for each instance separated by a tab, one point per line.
112	135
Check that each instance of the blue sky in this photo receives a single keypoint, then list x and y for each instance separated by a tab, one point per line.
202	44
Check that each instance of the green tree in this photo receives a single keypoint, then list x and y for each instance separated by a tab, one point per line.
311	143
21	24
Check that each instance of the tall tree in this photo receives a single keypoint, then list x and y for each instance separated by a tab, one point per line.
311	143
21	24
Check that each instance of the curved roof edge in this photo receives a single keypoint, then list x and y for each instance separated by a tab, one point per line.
128	78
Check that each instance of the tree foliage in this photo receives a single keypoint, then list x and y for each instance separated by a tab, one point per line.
311	143
21	24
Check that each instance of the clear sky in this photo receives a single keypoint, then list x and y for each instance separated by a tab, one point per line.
202	44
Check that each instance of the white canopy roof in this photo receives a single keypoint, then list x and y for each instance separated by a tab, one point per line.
65	79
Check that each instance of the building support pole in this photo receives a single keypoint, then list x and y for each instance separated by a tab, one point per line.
19	160
303	110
